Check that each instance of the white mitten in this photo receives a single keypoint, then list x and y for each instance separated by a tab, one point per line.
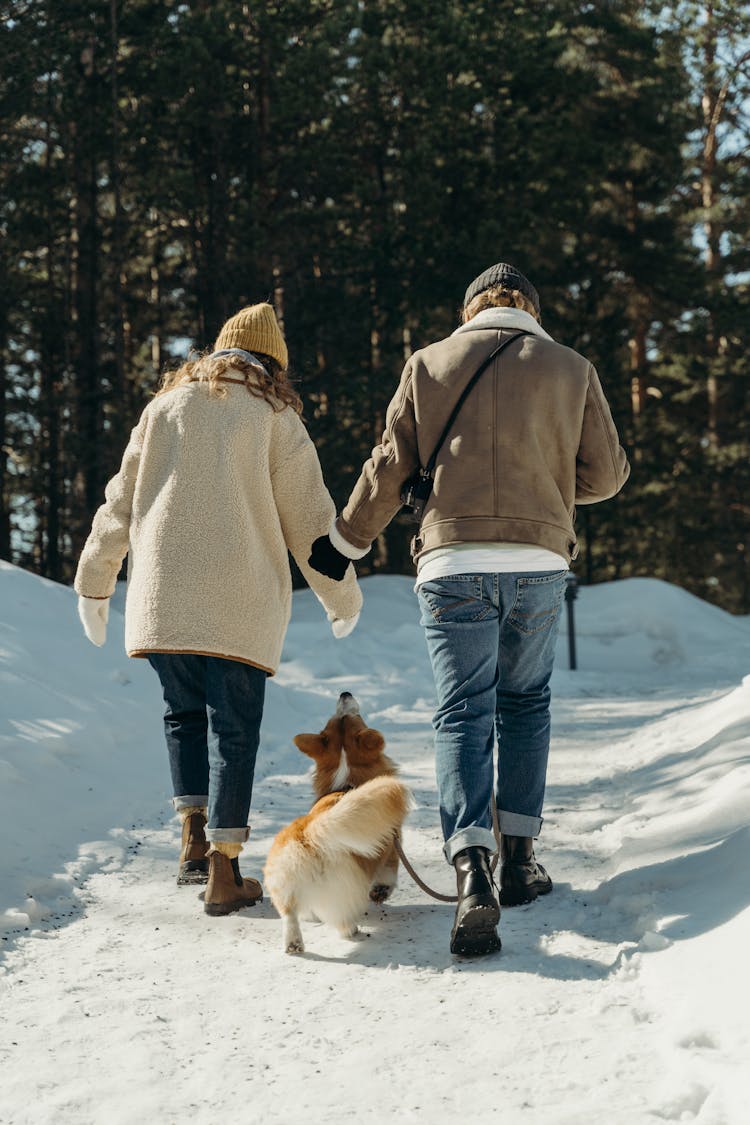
343	626
94	615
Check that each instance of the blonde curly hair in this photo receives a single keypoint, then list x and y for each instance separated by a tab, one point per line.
498	296
273	384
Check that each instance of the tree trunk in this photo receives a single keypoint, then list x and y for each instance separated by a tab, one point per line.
5	551
638	380
85	280
711	107
640	322
713	103
50	348
157	330
119	418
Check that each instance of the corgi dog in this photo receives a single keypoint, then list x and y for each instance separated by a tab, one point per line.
331	861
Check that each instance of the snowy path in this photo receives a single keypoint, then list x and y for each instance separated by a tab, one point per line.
615	999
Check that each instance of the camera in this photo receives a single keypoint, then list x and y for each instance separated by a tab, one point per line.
415	493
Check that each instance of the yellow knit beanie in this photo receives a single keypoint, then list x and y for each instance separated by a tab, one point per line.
255	329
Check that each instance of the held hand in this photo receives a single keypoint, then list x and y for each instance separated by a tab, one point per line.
327	560
343	626
94	615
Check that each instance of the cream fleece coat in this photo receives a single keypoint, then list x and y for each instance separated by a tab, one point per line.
210	495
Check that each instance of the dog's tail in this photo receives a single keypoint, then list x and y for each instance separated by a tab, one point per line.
364	821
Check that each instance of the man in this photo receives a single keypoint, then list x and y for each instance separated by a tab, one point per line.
533	438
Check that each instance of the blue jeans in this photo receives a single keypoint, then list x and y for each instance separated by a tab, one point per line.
212	724
491	640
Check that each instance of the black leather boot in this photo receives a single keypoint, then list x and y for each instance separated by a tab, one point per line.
521	877
477	914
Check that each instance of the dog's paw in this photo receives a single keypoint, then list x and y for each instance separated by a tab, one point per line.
296	946
379	892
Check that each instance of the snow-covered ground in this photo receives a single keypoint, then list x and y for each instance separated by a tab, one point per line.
621	998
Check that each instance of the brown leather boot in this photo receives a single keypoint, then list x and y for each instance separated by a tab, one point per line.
522	879
227	891
194	854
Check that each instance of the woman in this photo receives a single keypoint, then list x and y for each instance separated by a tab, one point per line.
219	480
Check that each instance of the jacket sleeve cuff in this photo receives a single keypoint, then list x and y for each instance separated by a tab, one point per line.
344	547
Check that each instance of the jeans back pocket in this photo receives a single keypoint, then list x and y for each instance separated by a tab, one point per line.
456	600
538	601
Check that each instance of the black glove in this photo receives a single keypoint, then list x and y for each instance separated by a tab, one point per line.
327	560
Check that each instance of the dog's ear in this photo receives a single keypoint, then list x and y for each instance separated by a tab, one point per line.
311	744
371	740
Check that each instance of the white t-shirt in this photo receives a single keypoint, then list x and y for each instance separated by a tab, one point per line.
486	558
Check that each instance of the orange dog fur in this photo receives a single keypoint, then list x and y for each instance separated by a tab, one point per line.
329	862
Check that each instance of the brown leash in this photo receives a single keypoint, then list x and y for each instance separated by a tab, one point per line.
436	894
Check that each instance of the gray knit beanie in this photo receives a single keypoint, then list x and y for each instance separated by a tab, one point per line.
509	277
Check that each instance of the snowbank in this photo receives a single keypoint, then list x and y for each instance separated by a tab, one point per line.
615	998
80	747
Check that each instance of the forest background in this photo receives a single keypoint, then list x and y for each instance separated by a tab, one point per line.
359	163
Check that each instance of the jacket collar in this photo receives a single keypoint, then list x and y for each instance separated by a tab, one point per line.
249	357
504	318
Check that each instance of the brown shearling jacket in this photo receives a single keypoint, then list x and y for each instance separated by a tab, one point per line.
534	438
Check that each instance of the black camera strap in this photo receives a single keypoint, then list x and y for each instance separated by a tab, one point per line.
416	491
429	468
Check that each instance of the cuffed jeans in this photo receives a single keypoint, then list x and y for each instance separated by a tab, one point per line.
212	724
491	640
